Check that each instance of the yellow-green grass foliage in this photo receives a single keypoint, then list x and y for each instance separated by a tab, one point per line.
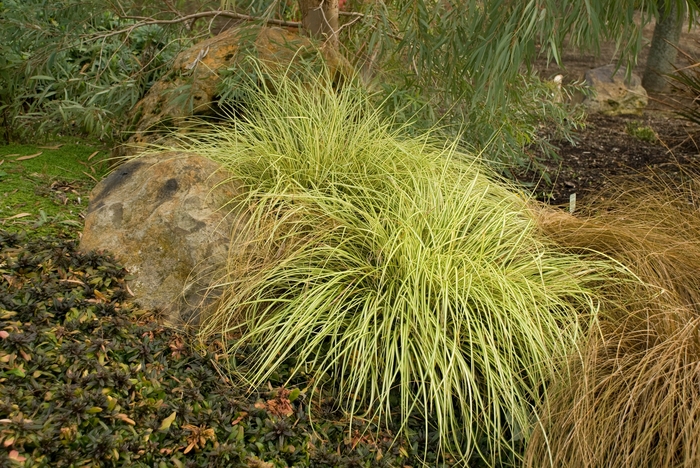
398	269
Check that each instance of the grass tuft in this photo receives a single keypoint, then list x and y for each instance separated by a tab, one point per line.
632	397
397	269
652	228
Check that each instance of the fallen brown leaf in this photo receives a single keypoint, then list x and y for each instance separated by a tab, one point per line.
54	147
92	155
31	156
72	281
89	176
198	437
280	406
19	215
255	462
239	418
14	455
125	418
12	281
100	297
177	347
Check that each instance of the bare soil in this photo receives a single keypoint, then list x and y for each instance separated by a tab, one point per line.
605	151
608	147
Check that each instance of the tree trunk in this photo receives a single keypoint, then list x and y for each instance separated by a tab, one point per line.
320	19
663	52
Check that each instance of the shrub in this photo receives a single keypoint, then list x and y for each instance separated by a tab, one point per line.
641	132
396	268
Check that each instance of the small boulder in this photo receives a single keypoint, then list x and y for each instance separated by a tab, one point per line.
192	86
613	93
162	216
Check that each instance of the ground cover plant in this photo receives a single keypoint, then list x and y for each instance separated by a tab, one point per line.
632	398
395	269
87	379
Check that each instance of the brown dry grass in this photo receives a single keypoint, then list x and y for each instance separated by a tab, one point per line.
632	398
653	229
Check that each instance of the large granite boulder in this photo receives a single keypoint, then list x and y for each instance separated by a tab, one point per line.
162	217
193	86
613	92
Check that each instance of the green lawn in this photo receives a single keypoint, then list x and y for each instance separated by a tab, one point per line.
44	188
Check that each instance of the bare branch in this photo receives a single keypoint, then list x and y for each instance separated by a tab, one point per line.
350	23
351	13
146	21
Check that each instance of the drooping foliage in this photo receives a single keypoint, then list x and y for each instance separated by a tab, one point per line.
631	397
464	65
687	78
62	72
396	269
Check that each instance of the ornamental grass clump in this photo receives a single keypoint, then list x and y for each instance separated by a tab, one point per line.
652	228
397	269
632	396
633	400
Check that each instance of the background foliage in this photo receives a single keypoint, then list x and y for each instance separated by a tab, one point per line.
61	71
467	66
